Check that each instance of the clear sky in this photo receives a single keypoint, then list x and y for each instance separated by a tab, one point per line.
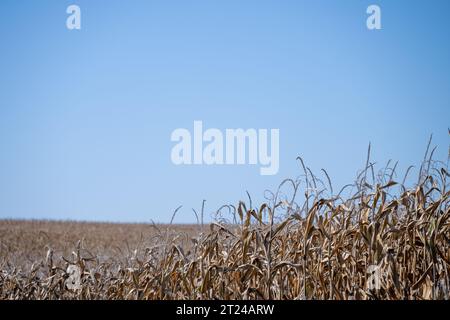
86	115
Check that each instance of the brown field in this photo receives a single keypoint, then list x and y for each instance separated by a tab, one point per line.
380	241
23	242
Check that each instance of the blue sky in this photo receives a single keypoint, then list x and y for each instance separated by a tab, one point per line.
86	115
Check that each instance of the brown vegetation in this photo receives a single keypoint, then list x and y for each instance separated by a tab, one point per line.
324	248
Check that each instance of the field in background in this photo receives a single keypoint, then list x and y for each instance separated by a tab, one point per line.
23	242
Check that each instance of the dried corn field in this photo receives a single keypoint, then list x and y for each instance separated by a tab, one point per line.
374	239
